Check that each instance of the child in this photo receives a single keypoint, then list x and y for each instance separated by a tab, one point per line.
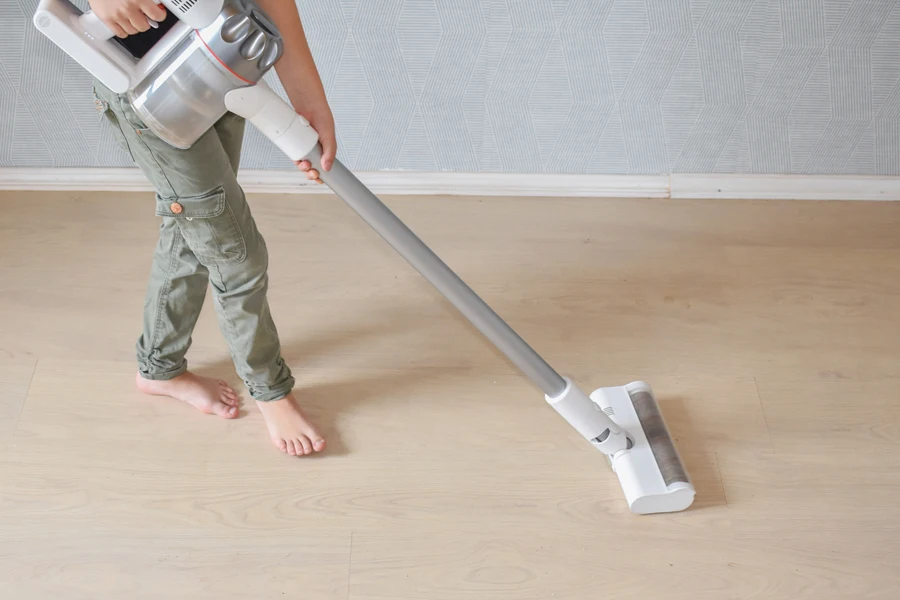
208	236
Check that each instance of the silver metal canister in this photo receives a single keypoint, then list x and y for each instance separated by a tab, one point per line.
181	96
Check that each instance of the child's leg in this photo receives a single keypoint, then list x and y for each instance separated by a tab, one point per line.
175	296
208	232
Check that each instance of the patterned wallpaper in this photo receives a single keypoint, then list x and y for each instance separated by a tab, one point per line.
553	86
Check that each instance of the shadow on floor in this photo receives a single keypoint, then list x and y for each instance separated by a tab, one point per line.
326	402
329	403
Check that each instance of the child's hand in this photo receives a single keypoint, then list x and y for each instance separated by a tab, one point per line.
127	17
323	123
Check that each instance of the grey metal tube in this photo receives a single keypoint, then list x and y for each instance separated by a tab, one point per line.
373	211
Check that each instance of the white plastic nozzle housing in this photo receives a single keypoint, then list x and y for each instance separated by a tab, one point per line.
639	473
609	421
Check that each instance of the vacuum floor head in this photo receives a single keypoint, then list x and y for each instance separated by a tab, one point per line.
650	472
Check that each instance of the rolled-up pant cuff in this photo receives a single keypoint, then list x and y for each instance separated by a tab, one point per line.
158	374
273	393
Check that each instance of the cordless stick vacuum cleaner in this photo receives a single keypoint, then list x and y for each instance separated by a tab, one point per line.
209	57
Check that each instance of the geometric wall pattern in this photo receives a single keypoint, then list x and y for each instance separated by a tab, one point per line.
550	86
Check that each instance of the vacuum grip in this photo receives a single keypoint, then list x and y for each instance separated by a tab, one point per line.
85	38
386	224
96	28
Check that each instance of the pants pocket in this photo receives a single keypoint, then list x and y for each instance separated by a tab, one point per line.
208	225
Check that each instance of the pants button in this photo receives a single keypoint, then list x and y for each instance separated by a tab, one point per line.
176	208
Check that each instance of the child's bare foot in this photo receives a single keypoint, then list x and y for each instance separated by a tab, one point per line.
212	396
290	430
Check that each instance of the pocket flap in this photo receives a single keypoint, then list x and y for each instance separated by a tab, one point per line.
203	206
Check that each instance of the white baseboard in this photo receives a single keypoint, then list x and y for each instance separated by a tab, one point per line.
380	182
785	187
724	186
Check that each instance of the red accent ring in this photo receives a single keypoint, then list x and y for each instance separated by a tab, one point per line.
227	68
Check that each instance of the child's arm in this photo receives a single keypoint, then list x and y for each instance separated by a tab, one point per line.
297	72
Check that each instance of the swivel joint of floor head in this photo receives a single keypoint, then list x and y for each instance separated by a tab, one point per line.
589	419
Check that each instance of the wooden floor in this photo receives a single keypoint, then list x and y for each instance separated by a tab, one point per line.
770	332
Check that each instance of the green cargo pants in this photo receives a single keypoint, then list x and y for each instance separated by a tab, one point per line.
207	237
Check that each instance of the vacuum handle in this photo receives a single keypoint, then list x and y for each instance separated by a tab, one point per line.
99	30
96	28
85	38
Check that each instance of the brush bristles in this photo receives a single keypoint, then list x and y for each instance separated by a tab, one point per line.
658	437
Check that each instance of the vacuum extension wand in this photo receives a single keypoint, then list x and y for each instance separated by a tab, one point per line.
373	211
278	121
637	444
567	399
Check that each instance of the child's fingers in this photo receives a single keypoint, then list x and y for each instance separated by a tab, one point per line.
329	151
114	27
154	10
311	174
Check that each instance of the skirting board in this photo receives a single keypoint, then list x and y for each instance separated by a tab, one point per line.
725	186
784	187
380	182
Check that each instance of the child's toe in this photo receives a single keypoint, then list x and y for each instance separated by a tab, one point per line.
223	410
304	443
